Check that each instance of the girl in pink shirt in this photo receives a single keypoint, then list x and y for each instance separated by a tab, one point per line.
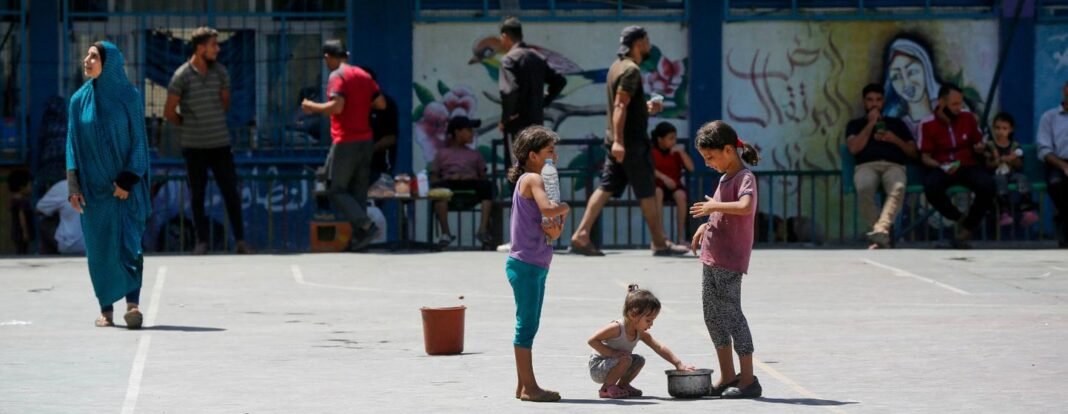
726	242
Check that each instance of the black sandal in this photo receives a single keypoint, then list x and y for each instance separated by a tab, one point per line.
754	390
587	250
717	391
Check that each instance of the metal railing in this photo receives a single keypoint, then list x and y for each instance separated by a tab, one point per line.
794	208
272	57
552	10
277	210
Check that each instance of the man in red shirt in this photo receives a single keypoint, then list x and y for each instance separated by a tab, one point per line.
352	95
952	146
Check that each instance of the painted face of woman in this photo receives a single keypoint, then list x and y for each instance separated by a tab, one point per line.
908	78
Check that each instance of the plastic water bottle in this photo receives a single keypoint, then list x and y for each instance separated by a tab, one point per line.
552	186
552	181
422	183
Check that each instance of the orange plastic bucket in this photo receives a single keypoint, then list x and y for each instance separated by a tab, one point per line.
443	330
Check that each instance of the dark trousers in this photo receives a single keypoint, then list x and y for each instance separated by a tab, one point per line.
132	297
974	178
350	176
1057	185
221	163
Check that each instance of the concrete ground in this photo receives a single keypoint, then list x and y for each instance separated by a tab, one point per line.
838	331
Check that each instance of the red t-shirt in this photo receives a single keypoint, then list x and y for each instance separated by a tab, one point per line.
728	241
669	164
950	142
352	124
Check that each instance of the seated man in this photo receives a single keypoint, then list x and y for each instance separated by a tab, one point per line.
881	146
952	146
1053	149
458	167
68	235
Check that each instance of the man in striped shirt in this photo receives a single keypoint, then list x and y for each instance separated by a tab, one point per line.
197	100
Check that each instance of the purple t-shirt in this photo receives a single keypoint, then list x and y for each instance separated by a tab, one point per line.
728	241
528	239
452	162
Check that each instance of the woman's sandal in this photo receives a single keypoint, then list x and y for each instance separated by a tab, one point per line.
633	392
545	396
753	390
613	391
104	322
717	391
134	319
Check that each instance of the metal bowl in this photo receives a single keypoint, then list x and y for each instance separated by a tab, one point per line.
689	384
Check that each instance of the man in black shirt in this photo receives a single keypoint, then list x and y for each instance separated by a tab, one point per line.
522	79
881	147
629	160
384	126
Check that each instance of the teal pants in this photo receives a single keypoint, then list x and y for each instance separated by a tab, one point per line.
528	287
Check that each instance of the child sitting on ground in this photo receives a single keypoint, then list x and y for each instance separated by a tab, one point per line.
613	363
1004	156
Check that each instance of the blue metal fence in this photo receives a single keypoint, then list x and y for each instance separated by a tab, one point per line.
271	50
14	73
552	10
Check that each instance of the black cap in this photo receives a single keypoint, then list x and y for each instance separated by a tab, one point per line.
461	122
630	35
333	47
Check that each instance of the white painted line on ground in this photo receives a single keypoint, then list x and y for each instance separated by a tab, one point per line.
157	290
1059	269
793	384
758	364
905	273
133	389
138	370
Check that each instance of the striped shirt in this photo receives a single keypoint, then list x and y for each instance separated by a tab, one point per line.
203	116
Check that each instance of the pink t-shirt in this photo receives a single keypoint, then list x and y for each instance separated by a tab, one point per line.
728	240
454	162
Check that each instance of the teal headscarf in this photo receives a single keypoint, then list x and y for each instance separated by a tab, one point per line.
107	144
106	129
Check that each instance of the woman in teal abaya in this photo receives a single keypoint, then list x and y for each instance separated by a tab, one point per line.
108	172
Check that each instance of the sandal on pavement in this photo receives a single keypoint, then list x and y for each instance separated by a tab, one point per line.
613	391
134	319
717	390
753	390
545	396
103	322
585	250
634	392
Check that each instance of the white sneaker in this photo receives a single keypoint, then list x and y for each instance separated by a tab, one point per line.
445	240
505	248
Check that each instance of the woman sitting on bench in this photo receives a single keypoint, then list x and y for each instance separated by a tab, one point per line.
459	168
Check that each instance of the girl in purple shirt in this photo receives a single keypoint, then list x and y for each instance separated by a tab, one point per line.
726	242
528	261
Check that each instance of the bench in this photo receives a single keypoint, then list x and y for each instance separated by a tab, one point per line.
1033	169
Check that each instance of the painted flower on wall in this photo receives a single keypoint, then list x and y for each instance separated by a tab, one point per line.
460	101
666	78
432	115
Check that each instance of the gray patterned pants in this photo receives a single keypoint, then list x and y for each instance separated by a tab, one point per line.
722	294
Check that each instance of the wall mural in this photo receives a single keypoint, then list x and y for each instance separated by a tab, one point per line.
1051	68
457	67
792	86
